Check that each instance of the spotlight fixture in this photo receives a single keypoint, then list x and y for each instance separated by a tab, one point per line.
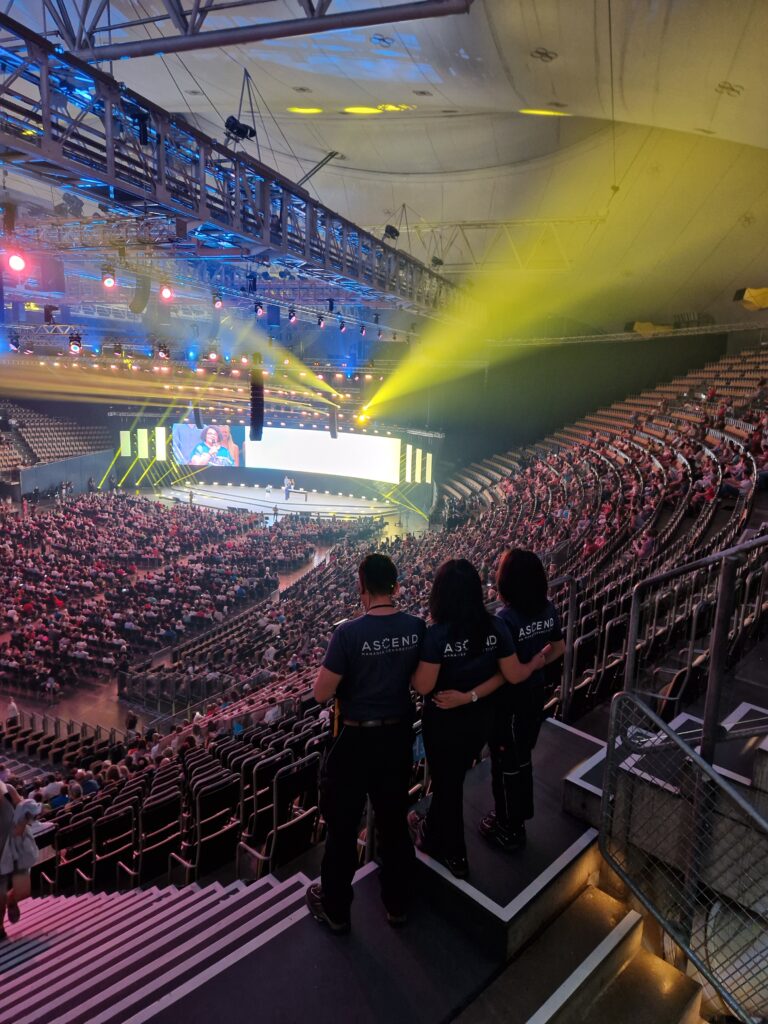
753	299
380	334
331	305
390	231
75	344
342	326
29	348
14	342
16	262
118	350
108	278
218	302
291	315
163	351
166	292
258	309
437	262
237	130
212	356
362	330
376	318
320	320
48	316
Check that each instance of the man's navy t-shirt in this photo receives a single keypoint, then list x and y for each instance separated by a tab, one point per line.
375	655
531	633
460	668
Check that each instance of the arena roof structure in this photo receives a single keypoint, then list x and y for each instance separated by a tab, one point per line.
607	160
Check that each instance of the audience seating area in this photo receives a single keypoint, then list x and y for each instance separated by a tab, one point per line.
49	439
238	777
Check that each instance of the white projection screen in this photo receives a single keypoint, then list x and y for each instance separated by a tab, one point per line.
363	456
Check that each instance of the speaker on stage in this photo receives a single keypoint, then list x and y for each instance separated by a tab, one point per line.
198	417
333	422
257	405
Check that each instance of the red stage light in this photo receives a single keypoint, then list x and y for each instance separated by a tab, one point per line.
16	262
166	292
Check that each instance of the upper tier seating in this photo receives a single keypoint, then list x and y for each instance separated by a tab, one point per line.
52	439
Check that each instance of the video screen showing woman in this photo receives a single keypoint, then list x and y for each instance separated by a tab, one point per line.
211	445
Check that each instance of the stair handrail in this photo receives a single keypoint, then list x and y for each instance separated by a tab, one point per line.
691	848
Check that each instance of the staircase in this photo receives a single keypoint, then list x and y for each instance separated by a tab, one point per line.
109	958
588	965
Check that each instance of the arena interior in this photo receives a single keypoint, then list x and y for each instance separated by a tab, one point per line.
287	282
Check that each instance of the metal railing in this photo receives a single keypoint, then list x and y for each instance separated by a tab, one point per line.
713	606
53	725
693	849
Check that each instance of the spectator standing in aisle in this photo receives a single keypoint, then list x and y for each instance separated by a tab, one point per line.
516	719
368	668
12	713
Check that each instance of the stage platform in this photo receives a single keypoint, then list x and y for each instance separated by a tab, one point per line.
256	499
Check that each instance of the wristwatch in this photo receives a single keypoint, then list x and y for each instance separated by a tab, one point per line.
473	695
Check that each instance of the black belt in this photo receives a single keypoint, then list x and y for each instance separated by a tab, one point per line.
371	723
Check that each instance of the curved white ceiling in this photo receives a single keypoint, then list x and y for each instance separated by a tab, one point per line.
661	210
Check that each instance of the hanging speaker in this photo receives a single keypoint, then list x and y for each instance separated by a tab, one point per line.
273	316
257	405
141	294
333	422
198	417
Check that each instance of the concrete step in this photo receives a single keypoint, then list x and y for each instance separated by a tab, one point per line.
569	960
185	932
95	935
255	915
647	991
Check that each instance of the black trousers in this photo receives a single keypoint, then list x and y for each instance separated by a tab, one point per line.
514	729
374	762
452	741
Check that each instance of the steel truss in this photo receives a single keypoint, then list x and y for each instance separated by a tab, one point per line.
75	127
82	24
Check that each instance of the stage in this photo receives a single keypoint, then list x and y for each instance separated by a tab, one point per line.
256	499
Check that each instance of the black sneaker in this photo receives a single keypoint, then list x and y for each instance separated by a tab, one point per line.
458	866
398	920
14	912
507	839
314	900
487	826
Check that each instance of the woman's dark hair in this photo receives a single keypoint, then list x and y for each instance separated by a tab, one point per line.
522	582
457	600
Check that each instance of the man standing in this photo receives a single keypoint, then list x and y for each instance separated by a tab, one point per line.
368	668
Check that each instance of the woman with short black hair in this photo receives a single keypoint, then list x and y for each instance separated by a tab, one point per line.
534	626
466	656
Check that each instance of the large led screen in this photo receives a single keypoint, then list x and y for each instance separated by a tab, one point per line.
212	445
362	456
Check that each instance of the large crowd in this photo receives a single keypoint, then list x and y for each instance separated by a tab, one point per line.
88	587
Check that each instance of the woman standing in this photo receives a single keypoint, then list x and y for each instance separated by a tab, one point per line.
534	626
463	651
